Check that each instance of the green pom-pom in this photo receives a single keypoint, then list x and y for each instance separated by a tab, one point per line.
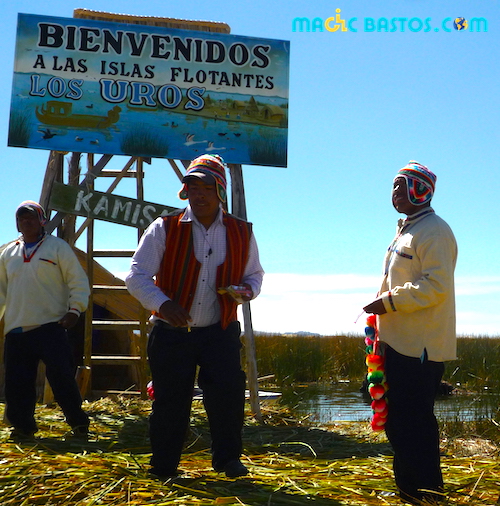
375	377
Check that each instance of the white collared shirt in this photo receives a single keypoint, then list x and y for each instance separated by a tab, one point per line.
209	250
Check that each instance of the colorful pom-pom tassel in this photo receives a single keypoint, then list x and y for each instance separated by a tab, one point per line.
376	376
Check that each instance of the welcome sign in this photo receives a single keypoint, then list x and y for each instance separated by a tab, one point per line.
116	88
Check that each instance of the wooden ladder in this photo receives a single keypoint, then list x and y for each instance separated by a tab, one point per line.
137	329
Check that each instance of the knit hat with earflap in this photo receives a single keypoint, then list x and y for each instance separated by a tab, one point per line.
421	182
30	205
210	168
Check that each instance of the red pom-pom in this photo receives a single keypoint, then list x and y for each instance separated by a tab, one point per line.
150	390
376	391
379	405
371	321
378	422
374	362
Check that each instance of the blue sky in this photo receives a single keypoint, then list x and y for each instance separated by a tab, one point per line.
361	105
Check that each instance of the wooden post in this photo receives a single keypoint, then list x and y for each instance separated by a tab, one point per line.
53	172
69	222
89	314
143	314
238	205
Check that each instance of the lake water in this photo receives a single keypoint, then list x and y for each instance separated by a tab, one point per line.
344	401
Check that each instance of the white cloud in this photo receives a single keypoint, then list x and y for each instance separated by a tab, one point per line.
330	304
325	305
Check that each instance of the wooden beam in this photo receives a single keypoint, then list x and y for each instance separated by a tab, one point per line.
53	172
239	209
93	172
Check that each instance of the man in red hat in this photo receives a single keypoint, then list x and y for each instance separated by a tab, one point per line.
416	324
182	262
43	290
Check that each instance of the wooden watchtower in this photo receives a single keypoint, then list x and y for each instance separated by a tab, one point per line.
108	292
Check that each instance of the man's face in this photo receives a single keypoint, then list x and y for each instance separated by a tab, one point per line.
400	199
29	225
203	200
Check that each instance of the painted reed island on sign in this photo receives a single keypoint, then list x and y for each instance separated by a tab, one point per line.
104	87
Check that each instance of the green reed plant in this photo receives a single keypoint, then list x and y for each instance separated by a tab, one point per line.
305	359
478	365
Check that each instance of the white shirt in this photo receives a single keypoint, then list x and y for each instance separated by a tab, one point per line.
209	250
43	289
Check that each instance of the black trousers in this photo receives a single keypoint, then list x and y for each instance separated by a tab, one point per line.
411	426
173	357
23	352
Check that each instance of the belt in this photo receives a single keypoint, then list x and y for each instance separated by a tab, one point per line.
183	330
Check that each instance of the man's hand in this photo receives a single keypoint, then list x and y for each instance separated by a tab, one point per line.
375	307
246	298
175	314
68	320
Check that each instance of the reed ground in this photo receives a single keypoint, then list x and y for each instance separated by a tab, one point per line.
292	462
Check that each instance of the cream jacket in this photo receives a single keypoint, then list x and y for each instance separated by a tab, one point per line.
418	289
43	289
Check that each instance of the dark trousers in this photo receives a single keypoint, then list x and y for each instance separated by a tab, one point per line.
411	426
23	352
173	358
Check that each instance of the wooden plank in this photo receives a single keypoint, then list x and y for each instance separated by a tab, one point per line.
115	360
116	173
179	24
105	206
105	288
239	209
115	325
114	253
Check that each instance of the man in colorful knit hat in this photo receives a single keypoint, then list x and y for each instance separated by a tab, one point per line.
183	263
43	290
416	324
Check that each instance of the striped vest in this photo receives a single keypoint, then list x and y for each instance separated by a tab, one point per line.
178	276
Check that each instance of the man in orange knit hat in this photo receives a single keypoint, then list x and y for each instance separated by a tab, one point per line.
181	263
416	321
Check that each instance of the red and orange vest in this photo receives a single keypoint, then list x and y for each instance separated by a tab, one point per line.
179	270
